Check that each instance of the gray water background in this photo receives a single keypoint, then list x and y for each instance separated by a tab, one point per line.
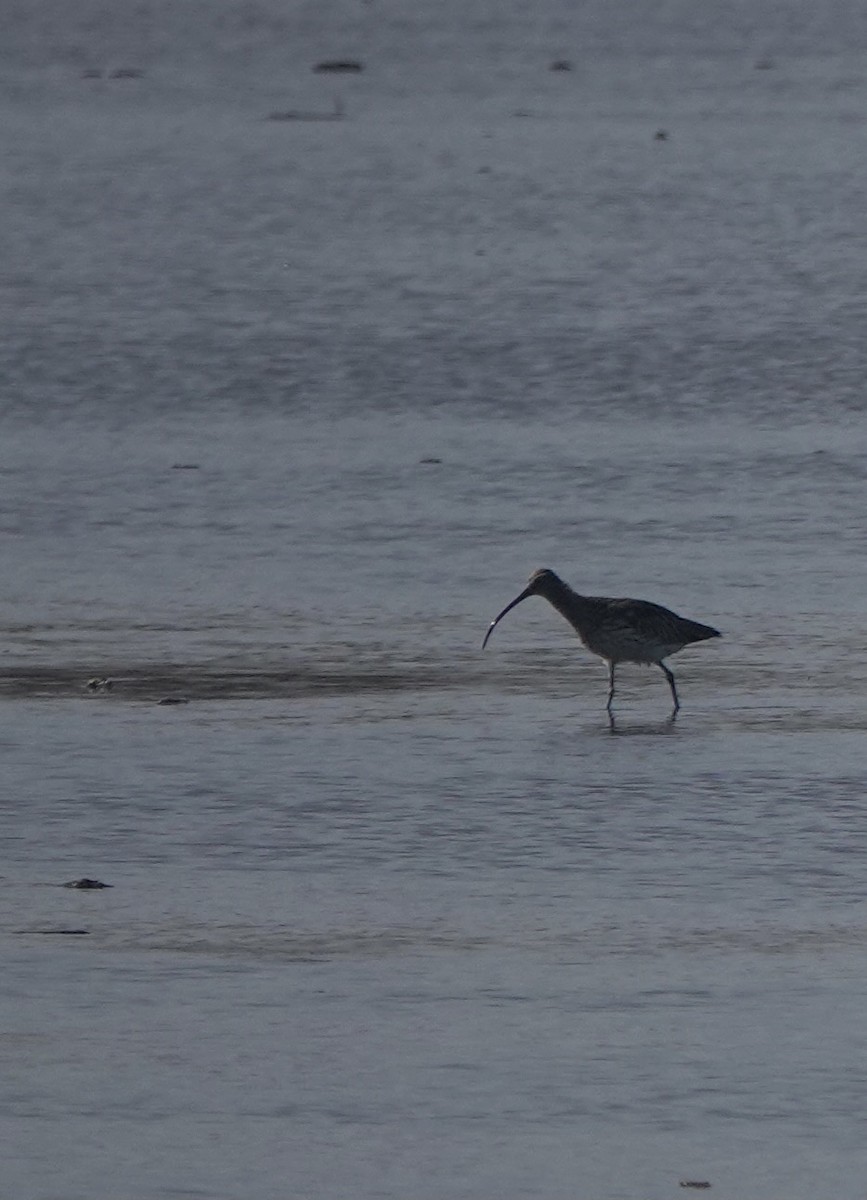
289	411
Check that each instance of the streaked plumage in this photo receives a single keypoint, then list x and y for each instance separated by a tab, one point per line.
617	630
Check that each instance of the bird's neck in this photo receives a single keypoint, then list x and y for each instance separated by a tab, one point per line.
571	604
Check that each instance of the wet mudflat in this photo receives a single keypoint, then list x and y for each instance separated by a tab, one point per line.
291	410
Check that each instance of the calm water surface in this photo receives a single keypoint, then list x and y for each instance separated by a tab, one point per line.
290	410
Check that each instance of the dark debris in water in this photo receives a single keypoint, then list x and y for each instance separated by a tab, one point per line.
99	685
339	65
336	113
58	932
87	884
117	73
694	1183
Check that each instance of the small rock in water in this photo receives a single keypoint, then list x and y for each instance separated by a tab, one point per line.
99	685
87	884
173	700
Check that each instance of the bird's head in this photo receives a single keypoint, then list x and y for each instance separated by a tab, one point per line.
540	582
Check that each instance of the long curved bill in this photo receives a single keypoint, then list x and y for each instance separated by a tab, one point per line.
523	596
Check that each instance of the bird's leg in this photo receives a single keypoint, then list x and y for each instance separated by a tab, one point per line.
610	687
670	678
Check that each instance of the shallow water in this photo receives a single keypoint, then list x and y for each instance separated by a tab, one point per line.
291	411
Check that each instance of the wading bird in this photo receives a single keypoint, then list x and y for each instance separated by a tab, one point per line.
617	630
